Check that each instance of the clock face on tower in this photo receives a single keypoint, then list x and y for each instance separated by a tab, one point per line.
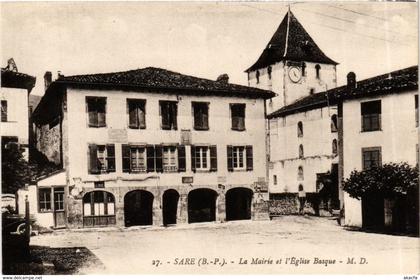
295	74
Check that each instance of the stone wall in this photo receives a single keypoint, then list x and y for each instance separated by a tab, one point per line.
48	142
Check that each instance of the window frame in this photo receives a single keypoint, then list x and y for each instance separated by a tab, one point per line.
370	150
105	204
236	154
49	191
318	71
334	123
372	118
143	154
238	111
4	111
107	158
301	175
95	100
195	105
172	167
138	104
199	158
171	114
299	129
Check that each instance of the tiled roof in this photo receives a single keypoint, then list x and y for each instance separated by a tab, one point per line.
12	79
158	79
394	82
290	42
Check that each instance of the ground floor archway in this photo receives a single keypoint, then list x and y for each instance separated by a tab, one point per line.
238	204
202	205
138	208
170	206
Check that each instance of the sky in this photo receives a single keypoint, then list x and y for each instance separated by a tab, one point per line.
203	39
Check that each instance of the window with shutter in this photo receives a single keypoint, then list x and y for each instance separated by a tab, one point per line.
238	116
150	153
110	158
201	114
193	158
93	159
230	158
158	158
249	158
138	159
96	109
169	159
168	111
213	158
136	113
126	158
202	158
181	159
4	110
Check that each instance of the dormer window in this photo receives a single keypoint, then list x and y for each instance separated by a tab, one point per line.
269	69
318	70
257	75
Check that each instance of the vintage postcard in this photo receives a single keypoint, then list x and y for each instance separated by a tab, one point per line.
209	138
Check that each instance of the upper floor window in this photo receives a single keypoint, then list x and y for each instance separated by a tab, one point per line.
257	75
269	70
274	179
334	123
371	157
318	71
300	129
239	158
301	155
371	115
169	113
204	158
334	147
238	116
303	69
101	158
311	91
201	115
96	109
416	105
300	173
4	110
136	113
134	158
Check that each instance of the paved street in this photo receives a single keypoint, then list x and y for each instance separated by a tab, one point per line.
134	250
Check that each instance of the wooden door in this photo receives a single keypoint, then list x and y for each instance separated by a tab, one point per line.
59	212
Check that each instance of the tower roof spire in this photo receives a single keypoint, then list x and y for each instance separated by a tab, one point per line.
290	42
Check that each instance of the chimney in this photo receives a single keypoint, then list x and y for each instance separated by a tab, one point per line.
224	78
59	75
47	79
351	81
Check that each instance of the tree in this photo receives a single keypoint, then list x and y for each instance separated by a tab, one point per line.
16	171
390	180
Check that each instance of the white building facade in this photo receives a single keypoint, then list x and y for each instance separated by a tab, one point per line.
14	92
156	147
380	125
